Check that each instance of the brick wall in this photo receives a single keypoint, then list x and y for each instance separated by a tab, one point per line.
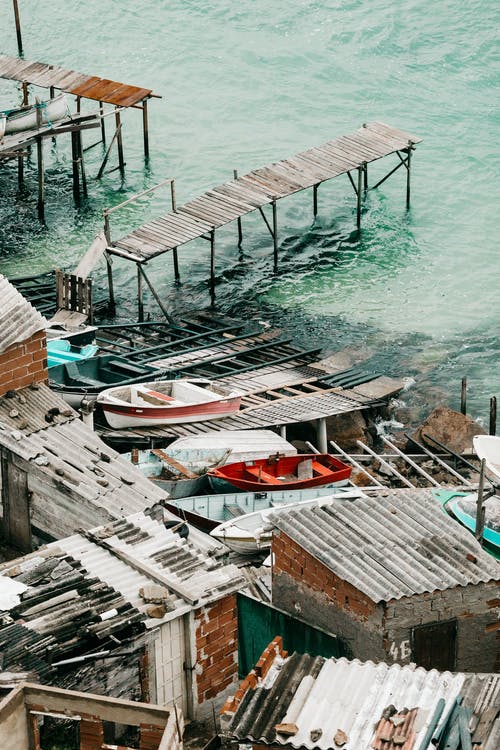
24	363
476	608
216	648
305	588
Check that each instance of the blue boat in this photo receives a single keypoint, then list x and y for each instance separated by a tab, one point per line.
462	506
60	351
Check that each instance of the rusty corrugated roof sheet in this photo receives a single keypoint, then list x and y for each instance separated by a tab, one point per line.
397	543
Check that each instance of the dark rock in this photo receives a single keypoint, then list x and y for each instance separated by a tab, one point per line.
453	429
346	428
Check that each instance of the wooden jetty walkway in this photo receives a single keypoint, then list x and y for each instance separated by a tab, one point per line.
82	86
261	187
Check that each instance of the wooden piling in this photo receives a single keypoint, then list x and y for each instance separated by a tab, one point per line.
41	179
18	28
109	264
365	176
20	172
275	234
119	141
145	127
155	294
479	505
82	164
463	396
140	304
172	196
212	263
175	256
358	197
315	200
240	226
75	164
493	415
103	124
25	93
408	169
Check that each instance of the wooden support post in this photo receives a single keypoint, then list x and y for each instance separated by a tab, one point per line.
155	294
358	196
408	170
41	175
109	264
52	92
212	264
81	164
18	28
172	196
315	200
119	141
103	124
176	265
75	161
78	104
25	93
463	396
240	227
365	176
275	235
493	415
322	435
20	172
479	506
145	127
140	303
106	155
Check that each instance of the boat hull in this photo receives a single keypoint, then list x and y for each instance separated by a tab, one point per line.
25	118
120	417
280	473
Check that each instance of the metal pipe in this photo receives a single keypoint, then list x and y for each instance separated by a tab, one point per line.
493	415
386	465
439	461
410	462
356	465
322	435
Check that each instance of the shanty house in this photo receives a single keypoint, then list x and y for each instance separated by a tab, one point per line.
56	475
394	577
309	702
131	609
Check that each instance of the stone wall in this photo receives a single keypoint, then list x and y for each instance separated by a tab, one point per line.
216	648
24	363
477	611
305	588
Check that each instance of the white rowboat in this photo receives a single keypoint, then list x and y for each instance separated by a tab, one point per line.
488	447
25	118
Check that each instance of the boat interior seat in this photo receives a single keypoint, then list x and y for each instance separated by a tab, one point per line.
264	477
126	367
233	510
321	470
75	376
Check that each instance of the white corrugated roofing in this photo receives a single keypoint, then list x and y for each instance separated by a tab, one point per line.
192	565
18	319
337	694
395	544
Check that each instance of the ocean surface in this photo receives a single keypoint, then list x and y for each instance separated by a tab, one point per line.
244	84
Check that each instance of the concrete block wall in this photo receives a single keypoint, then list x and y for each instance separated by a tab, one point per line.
24	363
216	648
476	608
305	588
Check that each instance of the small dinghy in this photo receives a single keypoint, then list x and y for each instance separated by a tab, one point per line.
3	122
252	532
26	118
167	402
60	351
75	381
463	507
177	479
488	447
299	472
206	512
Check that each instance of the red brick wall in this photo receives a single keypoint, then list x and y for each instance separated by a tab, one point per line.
216	647
291	559
23	364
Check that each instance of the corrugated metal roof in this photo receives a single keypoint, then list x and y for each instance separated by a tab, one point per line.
191	565
49	434
397	543
18	319
321	696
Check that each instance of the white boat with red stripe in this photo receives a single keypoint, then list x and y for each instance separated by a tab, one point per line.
167	402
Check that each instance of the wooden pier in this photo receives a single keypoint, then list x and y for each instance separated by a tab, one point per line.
83	86
262	187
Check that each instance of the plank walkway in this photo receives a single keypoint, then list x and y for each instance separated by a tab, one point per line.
72	82
235	198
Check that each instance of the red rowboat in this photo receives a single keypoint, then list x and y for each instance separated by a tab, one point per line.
281	472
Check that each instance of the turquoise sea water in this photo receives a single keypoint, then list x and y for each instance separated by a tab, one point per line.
246	83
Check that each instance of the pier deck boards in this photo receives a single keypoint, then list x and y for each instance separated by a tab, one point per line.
72	82
242	195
